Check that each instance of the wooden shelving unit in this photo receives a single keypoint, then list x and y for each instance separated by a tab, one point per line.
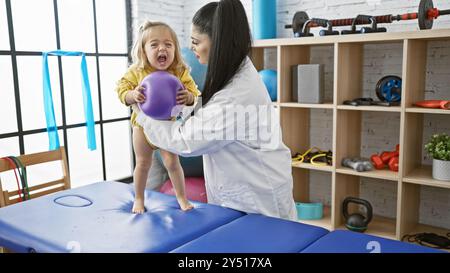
378	174
310	106
380	226
312	167
422	176
325	222
394	109
348	58
427	111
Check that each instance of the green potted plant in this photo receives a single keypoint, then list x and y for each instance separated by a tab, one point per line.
439	148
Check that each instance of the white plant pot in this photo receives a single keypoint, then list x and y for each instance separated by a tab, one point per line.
441	170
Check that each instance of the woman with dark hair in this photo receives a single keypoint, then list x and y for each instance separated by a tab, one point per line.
235	127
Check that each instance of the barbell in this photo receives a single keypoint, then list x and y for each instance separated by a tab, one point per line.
426	14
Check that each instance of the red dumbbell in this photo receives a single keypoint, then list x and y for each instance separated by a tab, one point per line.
386	156
377	162
393	164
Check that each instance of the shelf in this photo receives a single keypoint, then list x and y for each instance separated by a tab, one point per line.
325	222
327	105
383	227
379	174
312	167
427	110
422	176
345	129
420	228
266	43
380	226
370	108
386	37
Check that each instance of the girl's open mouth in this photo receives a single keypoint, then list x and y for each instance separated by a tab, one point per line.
162	59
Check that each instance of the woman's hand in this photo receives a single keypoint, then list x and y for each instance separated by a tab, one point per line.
185	97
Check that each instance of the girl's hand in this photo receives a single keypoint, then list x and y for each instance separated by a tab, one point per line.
185	97
137	95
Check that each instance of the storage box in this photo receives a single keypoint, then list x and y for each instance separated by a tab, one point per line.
307	83
309	211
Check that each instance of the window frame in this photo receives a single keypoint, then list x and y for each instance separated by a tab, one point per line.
20	133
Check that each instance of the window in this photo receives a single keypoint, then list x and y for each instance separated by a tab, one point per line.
110	15
29	75
34	25
4	36
96	27
8	119
76	22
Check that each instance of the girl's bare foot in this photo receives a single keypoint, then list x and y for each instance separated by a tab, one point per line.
138	206
185	204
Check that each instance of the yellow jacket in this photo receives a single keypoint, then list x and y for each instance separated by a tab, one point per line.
134	76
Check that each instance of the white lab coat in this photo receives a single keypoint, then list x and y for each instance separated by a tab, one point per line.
250	175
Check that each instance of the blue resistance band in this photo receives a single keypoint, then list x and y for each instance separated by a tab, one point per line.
52	129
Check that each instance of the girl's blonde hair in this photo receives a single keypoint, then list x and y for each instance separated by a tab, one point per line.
138	53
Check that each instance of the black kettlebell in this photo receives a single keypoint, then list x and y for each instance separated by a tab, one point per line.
356	221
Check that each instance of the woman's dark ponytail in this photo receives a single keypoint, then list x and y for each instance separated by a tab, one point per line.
226	24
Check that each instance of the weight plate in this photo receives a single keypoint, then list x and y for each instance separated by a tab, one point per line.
424	6
389	89
298	21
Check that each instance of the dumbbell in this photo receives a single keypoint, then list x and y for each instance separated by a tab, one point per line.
379	164
393	164
386	158
366	163
358	164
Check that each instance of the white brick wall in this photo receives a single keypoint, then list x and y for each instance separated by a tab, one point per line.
382	195
191	6
320	190
380	131
435	206
159	10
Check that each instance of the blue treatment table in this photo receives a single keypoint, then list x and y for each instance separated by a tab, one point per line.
107	225
255	234
98	218
344	241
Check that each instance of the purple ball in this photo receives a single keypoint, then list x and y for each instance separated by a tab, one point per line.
160	90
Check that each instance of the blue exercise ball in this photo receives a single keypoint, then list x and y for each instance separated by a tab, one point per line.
198	70
269	78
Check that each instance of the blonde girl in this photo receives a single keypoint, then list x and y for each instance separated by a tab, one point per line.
155	49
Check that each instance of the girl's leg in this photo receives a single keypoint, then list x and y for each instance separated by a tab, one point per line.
176	174
143	153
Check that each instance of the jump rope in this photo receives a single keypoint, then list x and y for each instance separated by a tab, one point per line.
311	156
22	187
